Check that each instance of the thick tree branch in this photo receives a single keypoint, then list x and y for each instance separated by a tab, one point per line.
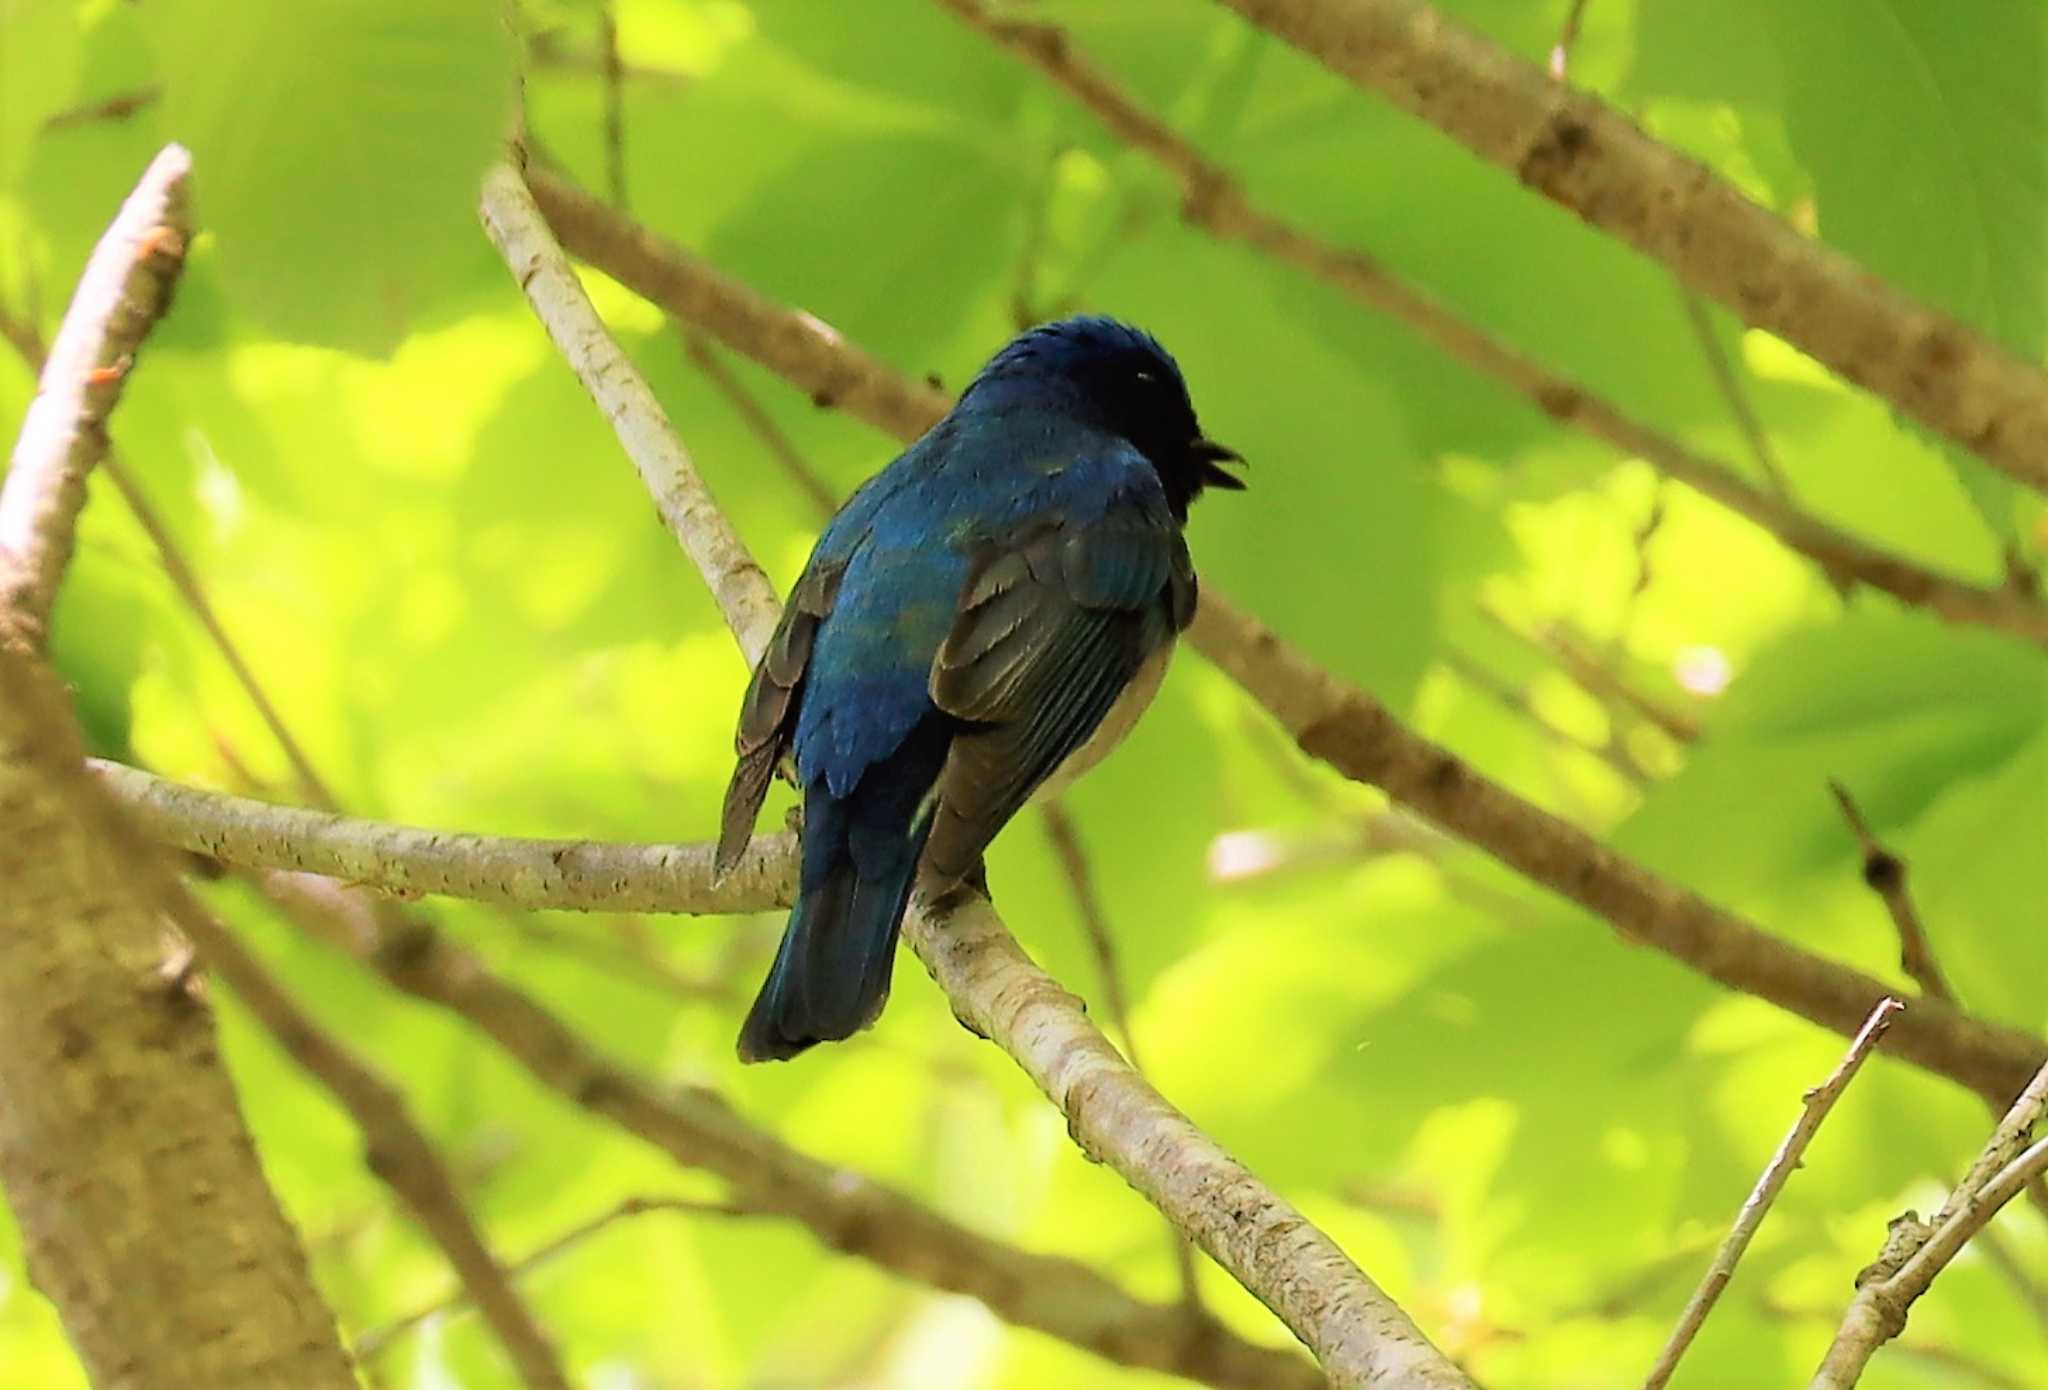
1358	1334
1819	1101
1915	1253
1333	720
1573	149
125	287
143	1209
1215	203
844	1210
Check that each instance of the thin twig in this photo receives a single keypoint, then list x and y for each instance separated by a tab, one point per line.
1611	751
1354	1329
1819	1101
125	288
755	416
1885	872
1732	391
1080	876
1599	678
1214	201
118	107
1570	147
1916	1252
186	582
614	104
1561	51
2033	1296
394	1148
377	1340
23	336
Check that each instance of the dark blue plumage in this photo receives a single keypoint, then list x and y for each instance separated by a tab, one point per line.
965	625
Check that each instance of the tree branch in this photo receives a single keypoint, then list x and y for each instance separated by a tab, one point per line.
1215	203
814	488
844	1210
125	287
1819	1101
797	346
1885	872
680	495
1080	875
1360	737
576	875
143	1209
393	1146
1333	721
1574	150
380	1339
1357	1333
1916	1253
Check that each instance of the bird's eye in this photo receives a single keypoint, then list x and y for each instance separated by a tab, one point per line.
1147	378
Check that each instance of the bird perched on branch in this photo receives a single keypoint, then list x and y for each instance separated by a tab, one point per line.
983	619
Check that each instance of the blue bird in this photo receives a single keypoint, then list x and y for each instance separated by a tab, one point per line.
984	618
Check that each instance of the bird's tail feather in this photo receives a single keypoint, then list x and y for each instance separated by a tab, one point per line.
831	975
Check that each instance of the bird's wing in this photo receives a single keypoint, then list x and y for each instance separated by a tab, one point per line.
766	726
1050	628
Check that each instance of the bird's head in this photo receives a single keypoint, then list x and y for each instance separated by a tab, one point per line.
1117	378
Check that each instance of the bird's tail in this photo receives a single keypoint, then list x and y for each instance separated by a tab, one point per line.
831	975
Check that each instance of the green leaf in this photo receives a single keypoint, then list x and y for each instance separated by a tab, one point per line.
337	146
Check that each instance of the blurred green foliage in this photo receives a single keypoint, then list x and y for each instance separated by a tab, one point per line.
426	541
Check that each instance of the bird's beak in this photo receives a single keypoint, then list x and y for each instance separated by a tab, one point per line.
1210	458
